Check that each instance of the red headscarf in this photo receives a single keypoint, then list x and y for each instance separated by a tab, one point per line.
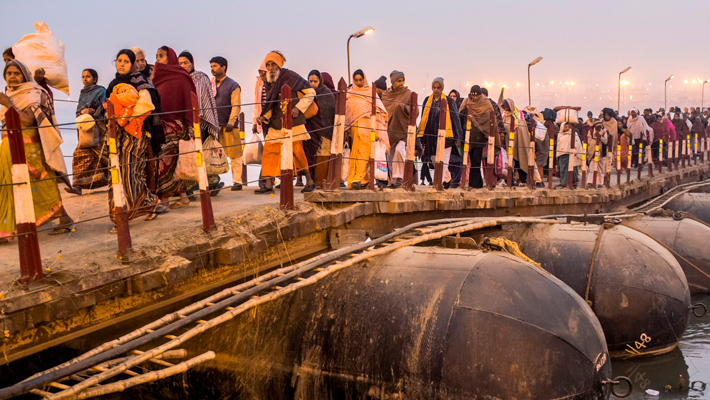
174	85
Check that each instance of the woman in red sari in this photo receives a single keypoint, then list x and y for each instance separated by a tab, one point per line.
175	86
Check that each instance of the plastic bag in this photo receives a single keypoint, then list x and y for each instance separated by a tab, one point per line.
346	164
253	150
501	166
187	161
43	50
213	155
381	161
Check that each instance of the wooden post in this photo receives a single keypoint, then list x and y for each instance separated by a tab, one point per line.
583	184
465	159
491	179
628	164
373	137
531	156
123	233
440	143
649	156
286	149
245	176
511	143
205	199
618	164
572	158
596	162
640	160
676	152
670	154
660	156
551	162
25	223
695	150
335	163
407	182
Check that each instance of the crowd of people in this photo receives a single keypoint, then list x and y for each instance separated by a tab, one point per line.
153	106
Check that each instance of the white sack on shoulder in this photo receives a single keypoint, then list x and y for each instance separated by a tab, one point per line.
43	50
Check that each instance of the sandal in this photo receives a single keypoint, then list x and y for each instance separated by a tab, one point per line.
73	190
160	208
113	231
60	230
179	204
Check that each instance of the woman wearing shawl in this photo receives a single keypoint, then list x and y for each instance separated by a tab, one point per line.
598	136
640	133
175	87
428	131
480	116
134	99
89	164
328	81
320	126
521	140
42	152
358	110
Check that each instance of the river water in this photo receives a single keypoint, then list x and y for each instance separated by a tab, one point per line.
691	361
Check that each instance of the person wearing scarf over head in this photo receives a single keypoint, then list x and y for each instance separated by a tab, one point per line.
542	144
320	126
428	131
90	160
564	150
175	87
456	160
660	132
302	96
134	99
521	141
209	125
358	110
480	118
640	133
328	82
598	136
42	152
396	101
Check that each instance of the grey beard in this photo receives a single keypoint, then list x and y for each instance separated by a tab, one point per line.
272	77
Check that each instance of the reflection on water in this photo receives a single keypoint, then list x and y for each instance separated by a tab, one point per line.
682	374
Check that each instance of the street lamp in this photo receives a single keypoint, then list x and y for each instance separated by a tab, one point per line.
665	93
618	99
535	61
360	33
702	97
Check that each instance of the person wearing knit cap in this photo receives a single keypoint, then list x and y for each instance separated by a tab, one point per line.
397	102
429	127
302	95
396	75
381	85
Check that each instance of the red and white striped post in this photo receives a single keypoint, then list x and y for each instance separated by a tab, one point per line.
649	157
205	200
286	149
465	159
670	154
551	162
335	163
618	164
531	156
491	179
628	164
120	211
245	176
511	143
373	137
28	244
440	143
686	151
407	182
640	160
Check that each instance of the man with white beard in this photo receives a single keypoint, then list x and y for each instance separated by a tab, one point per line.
302	95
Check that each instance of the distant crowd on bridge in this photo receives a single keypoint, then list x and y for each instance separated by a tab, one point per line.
365	133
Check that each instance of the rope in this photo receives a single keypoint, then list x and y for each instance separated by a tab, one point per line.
509	246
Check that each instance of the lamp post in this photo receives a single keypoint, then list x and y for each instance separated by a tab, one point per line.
618	99
360	33
535	61
665	93
702	96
